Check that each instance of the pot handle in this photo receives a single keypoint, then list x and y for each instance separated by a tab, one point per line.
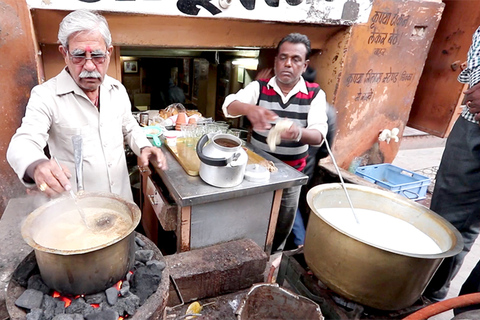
216	162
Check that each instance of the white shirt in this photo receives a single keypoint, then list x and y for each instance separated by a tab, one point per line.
58	110
317	117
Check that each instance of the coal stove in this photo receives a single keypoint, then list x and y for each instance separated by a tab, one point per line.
15	253
294	274
141	295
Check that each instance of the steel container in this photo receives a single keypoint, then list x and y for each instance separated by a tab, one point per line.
88	270
368	273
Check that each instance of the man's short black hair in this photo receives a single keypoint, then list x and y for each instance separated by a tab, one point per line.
296	38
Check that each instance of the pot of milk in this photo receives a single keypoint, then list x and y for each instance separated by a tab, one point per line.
383	253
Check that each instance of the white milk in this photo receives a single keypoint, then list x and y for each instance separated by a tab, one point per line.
381	229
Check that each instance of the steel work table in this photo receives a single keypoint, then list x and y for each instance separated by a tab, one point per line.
202	215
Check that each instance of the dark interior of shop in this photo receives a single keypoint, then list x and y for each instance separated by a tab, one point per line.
205	77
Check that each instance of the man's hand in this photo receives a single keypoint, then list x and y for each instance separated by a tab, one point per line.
260	117
155	154
472	98
292	133
51	179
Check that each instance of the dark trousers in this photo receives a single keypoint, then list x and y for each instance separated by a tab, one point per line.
456	197
286	216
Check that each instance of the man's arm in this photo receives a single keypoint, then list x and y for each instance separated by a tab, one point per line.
260	118
317	127
244	103
26	148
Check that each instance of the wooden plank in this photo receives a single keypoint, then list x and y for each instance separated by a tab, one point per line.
186	156
185	229
277	198
129	29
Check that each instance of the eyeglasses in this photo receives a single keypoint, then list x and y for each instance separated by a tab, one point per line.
97	59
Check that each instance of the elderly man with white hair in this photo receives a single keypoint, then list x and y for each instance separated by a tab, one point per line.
81	101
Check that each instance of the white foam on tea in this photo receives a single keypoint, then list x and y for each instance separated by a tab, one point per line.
68	231
381	229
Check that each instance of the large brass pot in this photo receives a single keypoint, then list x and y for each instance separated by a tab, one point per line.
367	273
89	270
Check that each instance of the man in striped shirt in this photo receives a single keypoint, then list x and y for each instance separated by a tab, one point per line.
456	196
286	95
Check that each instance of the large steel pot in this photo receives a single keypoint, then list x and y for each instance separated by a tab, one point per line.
87	270
222	160
367	273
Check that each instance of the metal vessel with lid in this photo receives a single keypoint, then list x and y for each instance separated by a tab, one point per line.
222	159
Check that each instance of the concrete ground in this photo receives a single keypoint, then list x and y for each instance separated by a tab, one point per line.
422	154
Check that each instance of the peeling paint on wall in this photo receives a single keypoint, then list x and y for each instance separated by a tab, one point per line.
337	12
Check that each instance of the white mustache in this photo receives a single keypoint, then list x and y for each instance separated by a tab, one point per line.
89	74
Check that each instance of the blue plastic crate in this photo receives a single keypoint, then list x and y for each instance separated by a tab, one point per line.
407	183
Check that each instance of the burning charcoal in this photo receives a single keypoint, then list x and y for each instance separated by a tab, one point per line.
35	314
69	317
49	304
30	299
24	270
160	264
112	295
103	315
76	306
36	282
144	255
138	264
96	298
140	242
145	281
125	288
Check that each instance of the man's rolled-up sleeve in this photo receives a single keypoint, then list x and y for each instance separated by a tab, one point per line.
317	116
249	95
28	143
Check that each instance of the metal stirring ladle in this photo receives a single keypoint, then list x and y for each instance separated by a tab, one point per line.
74	197
106	221
341	180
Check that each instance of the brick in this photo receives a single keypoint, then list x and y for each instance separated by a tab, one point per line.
216	270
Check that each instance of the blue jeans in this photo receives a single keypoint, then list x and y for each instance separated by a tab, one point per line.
298	229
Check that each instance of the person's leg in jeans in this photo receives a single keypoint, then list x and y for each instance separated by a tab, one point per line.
298	229
286	216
